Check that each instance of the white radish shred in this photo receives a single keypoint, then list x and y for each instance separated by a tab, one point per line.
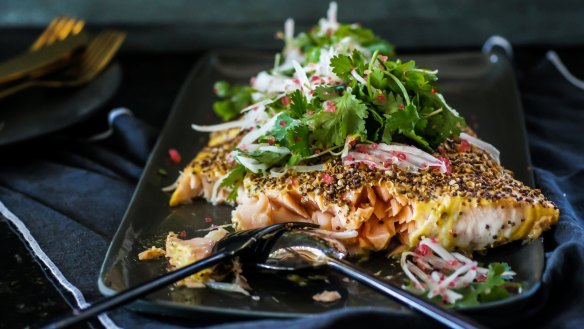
384	155
275	149
490	149
251	164
229	287
217	127
436	272
330	23
358	77
174	185
278	172
250	137
289	31
281	171
317	167
301	73
249	119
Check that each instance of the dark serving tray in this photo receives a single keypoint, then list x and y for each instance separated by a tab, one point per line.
481	86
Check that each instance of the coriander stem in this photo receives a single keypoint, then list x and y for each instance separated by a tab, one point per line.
323	152
276	62
400	85
373	58
434	112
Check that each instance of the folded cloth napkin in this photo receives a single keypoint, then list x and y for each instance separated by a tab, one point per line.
67	199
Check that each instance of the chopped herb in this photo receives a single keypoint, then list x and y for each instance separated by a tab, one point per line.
298	104
235	99
331	127
342	66
234	180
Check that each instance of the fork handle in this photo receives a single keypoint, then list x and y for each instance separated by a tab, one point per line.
446	317
17	88
138	291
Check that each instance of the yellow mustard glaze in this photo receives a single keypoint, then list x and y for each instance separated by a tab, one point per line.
431	223
437	218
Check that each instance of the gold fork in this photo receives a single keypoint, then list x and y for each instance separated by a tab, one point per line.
59	29
93	61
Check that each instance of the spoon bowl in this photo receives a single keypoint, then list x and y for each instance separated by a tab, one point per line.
296	251
302	250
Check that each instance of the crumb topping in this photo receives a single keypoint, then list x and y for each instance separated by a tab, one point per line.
474	175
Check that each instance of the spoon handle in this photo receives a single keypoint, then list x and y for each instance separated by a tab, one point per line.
446	317
138	291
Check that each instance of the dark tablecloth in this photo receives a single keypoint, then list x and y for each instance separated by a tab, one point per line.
66	197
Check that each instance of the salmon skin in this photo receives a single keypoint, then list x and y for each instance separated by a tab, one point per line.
477	205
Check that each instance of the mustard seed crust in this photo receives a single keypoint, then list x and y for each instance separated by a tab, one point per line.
474	175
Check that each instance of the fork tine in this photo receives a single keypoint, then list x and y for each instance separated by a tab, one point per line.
66	30
78	27
40	41
55	32
95	51
59	29
100	52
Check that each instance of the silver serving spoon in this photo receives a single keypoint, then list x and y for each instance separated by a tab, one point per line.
301	250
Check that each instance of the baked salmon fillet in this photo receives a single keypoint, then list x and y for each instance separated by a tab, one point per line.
475	205
340	134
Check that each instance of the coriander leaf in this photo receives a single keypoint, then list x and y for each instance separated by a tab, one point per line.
237	97
325	92
384	47
282	124
418	139
494	277
374	125
401	121
378	79
470	297
233	180
391	103
358	60
313	54
225	109
441	126
298	104
362	35
493	294
342	66
347	118
297	141
234	177
222	89
268	158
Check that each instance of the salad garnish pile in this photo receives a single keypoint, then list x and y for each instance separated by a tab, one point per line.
329	89
454	279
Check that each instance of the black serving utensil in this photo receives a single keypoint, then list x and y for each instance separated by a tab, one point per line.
294	251
234	244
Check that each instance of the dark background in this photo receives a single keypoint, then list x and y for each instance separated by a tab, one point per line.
166	37
190	25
